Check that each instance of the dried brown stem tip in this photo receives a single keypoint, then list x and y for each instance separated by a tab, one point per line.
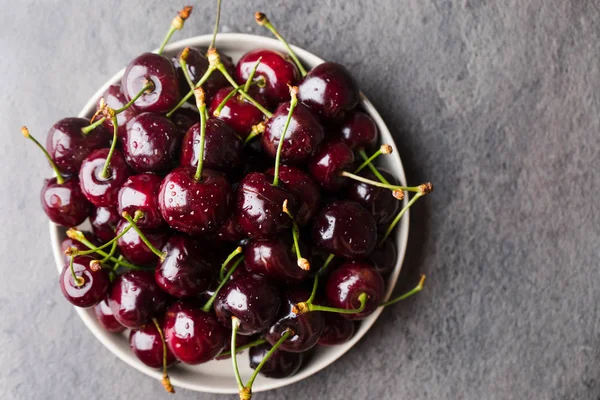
199	94
95	265
166	382
69	251
386	149
285	207
300	308
184	54
426	188
260	18
25	131
74	234
304	264
293	91
213	57
181	16
398	194
245	393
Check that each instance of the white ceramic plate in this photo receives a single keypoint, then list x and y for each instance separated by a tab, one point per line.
217	376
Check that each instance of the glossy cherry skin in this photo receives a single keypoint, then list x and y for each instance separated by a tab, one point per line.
306	328
346	229
337	330
222	147
140	192
195	207
100	191
275	259
68	243
151	143
303	186
379	201
106	318
384	258
348	281
194	336
359	131
277	69
185	272
240	341
302	138
115	99
255	158
94	288
238	112
230	230
64	203
259	206
329	162
280	365
68	146
251	298
135	298
184	118
134	249
158	69
104	221
329	90
147	345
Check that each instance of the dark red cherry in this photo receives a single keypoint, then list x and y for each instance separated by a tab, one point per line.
64	203
184	118
104	221
238	113
259	206
185	271
100	191
384	258
329	162
255	158
347	282
194	336
277	69
68	146
379	201
106	318
303	186
115	99
140	192
68	243
302	138
346	229
95	283
222	147
151	143
158	69
306	328
146	343
280	365
133	248
338	330
359	131
191	206
135	298
230	230
329	90
251	298
275	258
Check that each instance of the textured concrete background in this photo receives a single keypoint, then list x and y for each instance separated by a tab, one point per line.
494	101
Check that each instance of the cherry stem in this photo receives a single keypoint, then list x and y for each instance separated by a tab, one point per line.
320	272
148	87
248	388
113	249
165	379
251	76
216	29
176	25
302	262
160	254
230	257
116	267
191	92
80	237
373	168
262	20
393	224
184	68
59	178
203	117
256	130
384	149
380	184
235	324
302	308
229	96
105	171
255	343
293	102
210	301
79	281
406	295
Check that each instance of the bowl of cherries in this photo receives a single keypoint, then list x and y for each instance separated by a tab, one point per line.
227	213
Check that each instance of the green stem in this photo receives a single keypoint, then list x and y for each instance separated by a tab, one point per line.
165	379
283	338
113	241
313	293
363	302
191	92
256	130
59	178
118	261
161	255
302	262
251	76
379	184
384	149
262	19
210	301
184	67
229	96
406	295
170	33
372	168
203	118
233	83
230	257
176	25
79	281
105	171
293	102
235	324
393	224
255	343
216	28
113	249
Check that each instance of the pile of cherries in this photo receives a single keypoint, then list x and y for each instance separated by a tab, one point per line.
232	206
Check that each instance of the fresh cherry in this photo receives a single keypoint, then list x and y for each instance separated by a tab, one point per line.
337	330
140	192
230	231
115	99
133	248
359	131
275	258
281	364
238	113
184	118
379	201
135	298
194	336
64	203
99	190
90	284
346	229
106	318
146	343
384	257
68	243
329	162
158	69
104	221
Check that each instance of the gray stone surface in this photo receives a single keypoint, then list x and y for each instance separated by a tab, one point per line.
494	101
